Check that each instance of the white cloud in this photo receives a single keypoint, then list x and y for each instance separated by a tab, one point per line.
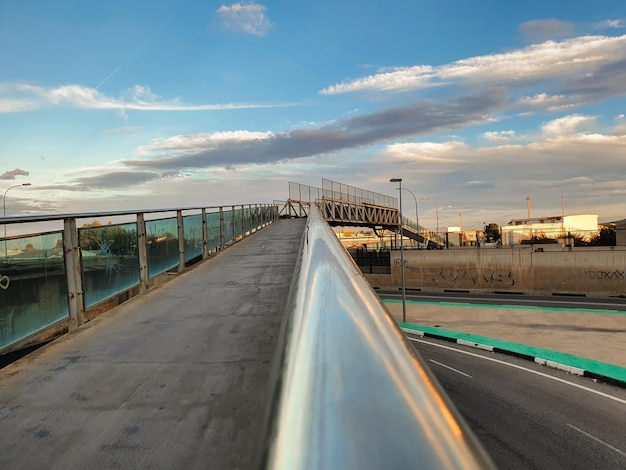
551	60
569	125
183	144
25	97
121	130
539	30
399	79
245	18
609	24
430	152
499	136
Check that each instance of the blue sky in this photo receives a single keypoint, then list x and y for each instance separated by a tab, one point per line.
126	105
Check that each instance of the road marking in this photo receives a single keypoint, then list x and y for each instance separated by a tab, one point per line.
515	366
597	440
514	303
450	368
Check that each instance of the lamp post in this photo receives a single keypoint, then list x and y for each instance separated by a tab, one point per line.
459	214
417	220
4	213
399	181
426	198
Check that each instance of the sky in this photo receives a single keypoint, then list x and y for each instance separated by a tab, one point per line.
114	105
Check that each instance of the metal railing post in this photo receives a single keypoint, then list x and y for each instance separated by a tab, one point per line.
222	229
205	236
181	241
142	251
71	249
243	221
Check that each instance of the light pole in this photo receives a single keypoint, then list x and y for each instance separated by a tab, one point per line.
426	198
460	214
399	181
417	220
4	212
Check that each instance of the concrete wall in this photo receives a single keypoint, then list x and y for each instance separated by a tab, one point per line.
594	271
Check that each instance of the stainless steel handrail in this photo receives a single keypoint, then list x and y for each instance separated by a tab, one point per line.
350	392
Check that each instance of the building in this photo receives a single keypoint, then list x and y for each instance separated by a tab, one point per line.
558	227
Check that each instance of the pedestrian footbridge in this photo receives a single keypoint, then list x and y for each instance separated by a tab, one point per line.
345	205
221	338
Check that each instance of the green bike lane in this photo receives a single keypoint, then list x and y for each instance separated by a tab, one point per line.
585	342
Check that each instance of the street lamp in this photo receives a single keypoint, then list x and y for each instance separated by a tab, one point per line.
399	181
417	220
4	212
460	214
426	198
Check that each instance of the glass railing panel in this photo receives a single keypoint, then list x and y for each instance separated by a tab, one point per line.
238	223
162	245
110	261
247	227
192	226
229	234
213	229
33	285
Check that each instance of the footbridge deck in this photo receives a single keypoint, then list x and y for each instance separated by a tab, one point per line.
173	378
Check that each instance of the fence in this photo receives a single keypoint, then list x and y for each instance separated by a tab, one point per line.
340	192
48	280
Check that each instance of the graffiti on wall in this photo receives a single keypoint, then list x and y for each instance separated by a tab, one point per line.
476	277
600	274
4	282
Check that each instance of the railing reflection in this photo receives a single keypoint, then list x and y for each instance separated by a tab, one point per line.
48	280
349	391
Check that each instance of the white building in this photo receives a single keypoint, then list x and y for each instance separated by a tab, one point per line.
558	227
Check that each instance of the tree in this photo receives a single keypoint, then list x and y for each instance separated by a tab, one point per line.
606	236
492	232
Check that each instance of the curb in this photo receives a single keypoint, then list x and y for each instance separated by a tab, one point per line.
609	373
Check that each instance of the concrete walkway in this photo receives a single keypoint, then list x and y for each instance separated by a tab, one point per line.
174	378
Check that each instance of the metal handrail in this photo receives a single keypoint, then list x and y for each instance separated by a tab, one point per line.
349	390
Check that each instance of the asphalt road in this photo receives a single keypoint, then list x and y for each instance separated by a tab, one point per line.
555	301
529	416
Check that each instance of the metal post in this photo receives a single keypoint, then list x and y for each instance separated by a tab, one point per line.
71	249
399	181
142	251
205	236
181	241
222	234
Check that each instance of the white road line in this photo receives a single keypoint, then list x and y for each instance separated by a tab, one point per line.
610	397
513	301
450	368
597	440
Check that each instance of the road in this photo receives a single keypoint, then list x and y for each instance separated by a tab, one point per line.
554	301
529	416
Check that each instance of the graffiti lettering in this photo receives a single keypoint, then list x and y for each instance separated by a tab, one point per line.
4	282
606	275
477	277
105	250
397	264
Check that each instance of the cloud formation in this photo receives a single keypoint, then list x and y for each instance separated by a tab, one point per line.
19	97
247	18
11	174
206	150
540	30
559	62
122	130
